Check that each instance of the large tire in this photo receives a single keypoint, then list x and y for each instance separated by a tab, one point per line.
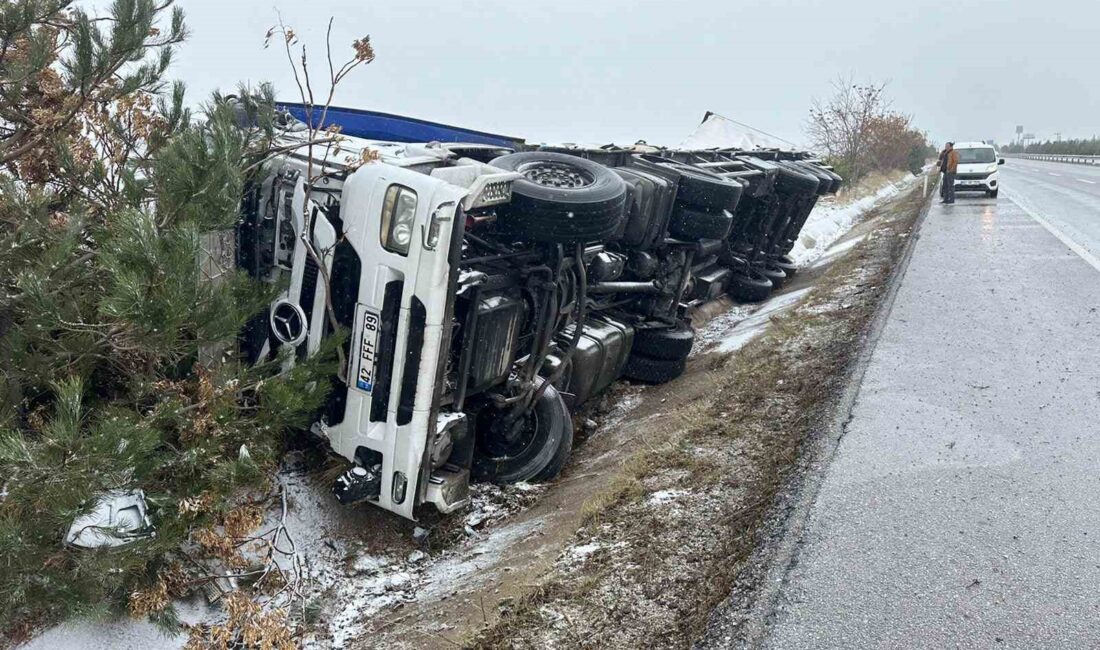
791	180
707	191
672	343
693	225
824	180
653	371
787	264
749	285
541	450
836	178
699	188
561	198
772	272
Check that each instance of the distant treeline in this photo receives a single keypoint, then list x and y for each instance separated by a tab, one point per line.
1089	147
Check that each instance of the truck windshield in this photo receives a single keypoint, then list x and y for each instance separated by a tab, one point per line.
978	155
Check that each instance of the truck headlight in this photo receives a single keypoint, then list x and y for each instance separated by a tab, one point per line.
398	214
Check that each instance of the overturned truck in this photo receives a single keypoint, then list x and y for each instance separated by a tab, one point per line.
489	288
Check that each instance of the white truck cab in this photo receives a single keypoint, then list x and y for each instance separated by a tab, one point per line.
385	233
979	165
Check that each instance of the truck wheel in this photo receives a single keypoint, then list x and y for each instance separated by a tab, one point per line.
707	191
698	187
773	273
561	198
749	285
672	343
792	180
653	371
692	225
788	266
535	451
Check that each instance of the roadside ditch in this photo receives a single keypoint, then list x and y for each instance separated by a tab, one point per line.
669	537
654	518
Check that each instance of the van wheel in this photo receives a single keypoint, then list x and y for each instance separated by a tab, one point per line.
561	198
534	448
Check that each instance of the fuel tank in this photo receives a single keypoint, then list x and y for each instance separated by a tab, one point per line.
598	360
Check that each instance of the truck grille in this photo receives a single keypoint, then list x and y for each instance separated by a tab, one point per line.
307	300
981	176
387	345
418	317
344	280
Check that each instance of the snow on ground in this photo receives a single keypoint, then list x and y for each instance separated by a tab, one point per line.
664	496
117	634
357	583
377	582
757	323
829	221
720	326
627	402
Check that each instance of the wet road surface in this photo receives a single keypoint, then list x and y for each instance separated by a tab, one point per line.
962	508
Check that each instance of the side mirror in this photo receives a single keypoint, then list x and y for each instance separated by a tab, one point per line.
1001	161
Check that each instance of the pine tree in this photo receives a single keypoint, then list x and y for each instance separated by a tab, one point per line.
107	187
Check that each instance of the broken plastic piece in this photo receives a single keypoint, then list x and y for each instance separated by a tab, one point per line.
119	517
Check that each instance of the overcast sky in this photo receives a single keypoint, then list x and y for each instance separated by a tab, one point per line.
621	70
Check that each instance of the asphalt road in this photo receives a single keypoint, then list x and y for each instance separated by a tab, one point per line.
962	507
1066	195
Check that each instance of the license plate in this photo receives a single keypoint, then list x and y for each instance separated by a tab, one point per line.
368	349
971	182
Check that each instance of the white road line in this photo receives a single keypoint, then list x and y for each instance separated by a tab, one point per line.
1089	182
1062	237
1053	174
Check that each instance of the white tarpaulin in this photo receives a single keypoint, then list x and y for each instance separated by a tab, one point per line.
717	132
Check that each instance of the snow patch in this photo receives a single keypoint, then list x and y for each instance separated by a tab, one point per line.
626	403
829	222
664	496
94	634
749	328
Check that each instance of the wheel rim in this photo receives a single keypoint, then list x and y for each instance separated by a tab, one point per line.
556	174
499	449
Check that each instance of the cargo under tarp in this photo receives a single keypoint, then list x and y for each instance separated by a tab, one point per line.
373	125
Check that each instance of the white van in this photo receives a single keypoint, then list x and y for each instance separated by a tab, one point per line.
978	167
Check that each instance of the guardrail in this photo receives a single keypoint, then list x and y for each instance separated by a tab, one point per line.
1064	158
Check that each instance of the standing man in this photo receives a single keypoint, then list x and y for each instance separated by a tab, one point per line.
949	166
941	165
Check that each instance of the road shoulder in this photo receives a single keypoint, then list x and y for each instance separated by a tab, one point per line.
957	507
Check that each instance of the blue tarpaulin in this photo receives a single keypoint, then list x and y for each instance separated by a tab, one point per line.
397	128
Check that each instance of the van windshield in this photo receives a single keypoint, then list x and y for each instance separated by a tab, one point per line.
976	155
